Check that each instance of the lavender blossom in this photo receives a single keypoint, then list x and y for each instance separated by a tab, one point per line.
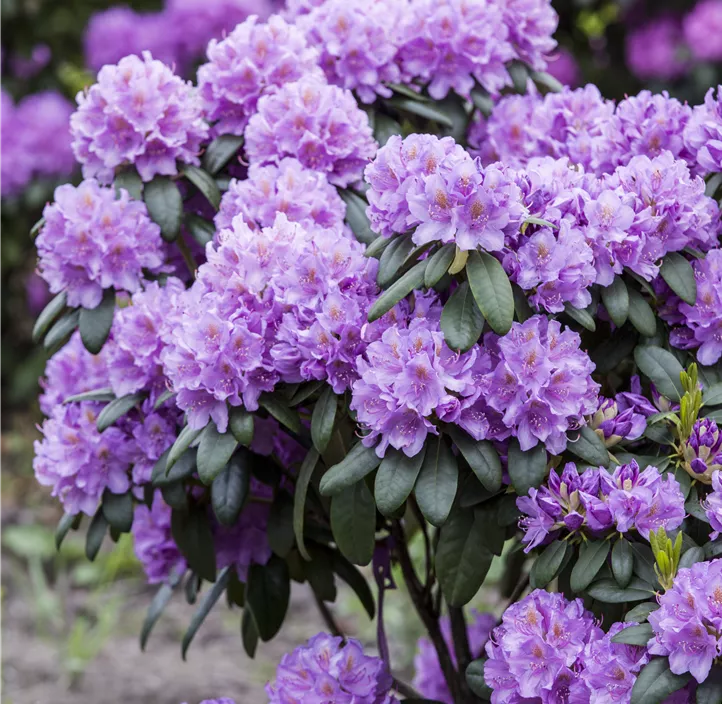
702	451
712	506
655	50
703	30
703	134
623	417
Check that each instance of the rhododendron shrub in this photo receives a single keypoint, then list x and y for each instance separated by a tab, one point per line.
377	278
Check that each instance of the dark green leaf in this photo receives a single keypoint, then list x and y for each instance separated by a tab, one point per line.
356	216
546	80
129	180
96	532
299	499
656	682
592	555
644	563
412	279
95	395
635	635
691	556
392	259
67	522
475	679
640	612
662	368
439	263
61	331
385	127
461	320
622	562
214	451
641	314
118	510
204	182
395	479
117	408
353	522
613	350
220	151
240	423
165	396
184	440
522	309
537	221
462	561
712	396
526	468
482	100
165	206
322	419
426	110
281	412
35	229
581	316
229	490
280	524
492	290
95	324
175	496
49	315
437	482
616	300
267	594
183	468
408	92
200	229
204	608
548	565
609	592
710	691
359	462
379	245
519	74
320	576
481	456
305	391
192	534
157	606
588	446
349	574
679	275
249	632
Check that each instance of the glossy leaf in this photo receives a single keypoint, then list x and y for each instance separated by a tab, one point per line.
299	499
165	206
641	314
662	368
392	259
615	298
656	682
526	469
322	419
356	216
359	462
96	532
214	451
157	606
281	412
61	331
461	320
185	439
240	423
635	635
609	592
117	409
581	316
679	275
118	510
437	482
353	522
592	555
481	457
229	489
220	151
586	444
395	479
204	182
439	263
622	562
204	608
548	565
49	315
492	290
192	534
268	592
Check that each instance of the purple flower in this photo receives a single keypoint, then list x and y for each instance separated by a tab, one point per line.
255	59
428	677
702	450
656	50
137	113
304	196
564	67
357	43
155	548
688	624
712	505
622	418
531	24
703	134
326	670
92	241
222	700
703	30
320	125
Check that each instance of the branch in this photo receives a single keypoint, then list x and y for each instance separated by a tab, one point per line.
406	690
327	616
460	637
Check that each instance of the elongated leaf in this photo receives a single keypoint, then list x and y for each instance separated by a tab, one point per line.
644	563
165	206
299	499
204	608
640	612
439	263
385	127
305	391
49	315
240	423
679	275
322	419
280	524
475	679
95	324
356	216
635	635
712	396
546	80
662	368
181	469
481	456
609	592
526	468
118	510
95	395
395	479
616	300
192	534
201	230
461	320
437	482
690	557
353	522
592	555
392	259
214	451
249	632
656	682
462	561
267	593
412	279
320	576
548	565
204	182
519	74
641	314
710	691
492	290
426	110
349	574
220	151
184	440
165	396
379	245
157	606
129	180
175	496
586	444
482	100
61	330
581	316
117	409
67	522
96	532
229	490
281	412
359	462
522	309
622	562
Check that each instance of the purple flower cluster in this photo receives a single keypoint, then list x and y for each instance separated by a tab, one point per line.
656	50
699	326
712	505
703	30
92	241
428	678
564	67
255	59
596	501
138	113
550	649
319	124
304	196
687	625
285	303
702	450
325	669
703	133
433	185
35	140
